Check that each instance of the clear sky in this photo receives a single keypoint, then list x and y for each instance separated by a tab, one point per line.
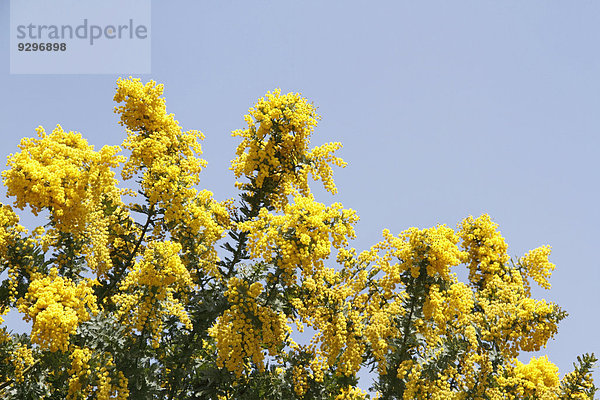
445	109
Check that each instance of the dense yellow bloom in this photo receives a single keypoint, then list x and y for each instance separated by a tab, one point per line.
351	393
539	373
537	379
537	266
57	305
3	335
436	248
298	242
205	221
274	152
302	237
380	282
95	374
62	173
167	158
512	320
160	149
435	245
300	379
485	246
79	372
329	304
56	171
496	309
107	386
10	232
148	291
9	228
247	328
21	359
577	384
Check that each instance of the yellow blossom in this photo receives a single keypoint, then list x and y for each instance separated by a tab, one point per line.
57	305
274	152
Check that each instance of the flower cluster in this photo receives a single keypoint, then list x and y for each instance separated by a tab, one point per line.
246	328
329	302
10	233
436	246
485	246
537	379
300	380
454	304
204	223
79	371
351	393
537	266
21	358
149	290
95	374
300	238
56	172
274	153
511	319
57	305
9	228
160	149
60	172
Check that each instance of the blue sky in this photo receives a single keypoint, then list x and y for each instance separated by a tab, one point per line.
445	109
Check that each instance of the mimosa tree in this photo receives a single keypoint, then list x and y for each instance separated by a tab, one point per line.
153	289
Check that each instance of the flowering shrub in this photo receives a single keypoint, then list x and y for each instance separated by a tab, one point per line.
130	298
